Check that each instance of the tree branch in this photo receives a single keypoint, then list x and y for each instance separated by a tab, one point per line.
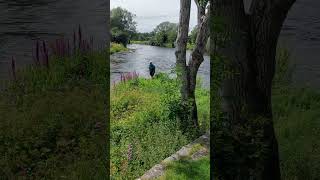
201	41
196	57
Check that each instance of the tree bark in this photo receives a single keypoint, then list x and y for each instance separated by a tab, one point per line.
249	51
181	48
201	10
196	60
187	73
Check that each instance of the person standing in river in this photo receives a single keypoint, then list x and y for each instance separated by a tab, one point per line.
152	69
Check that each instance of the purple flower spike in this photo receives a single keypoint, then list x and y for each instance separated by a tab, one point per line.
80	36
45	52
37	53
68	47
74	42
13	68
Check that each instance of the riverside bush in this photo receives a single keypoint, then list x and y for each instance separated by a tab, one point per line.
115	48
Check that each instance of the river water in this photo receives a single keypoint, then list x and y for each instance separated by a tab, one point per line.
23	21
301	35
139	56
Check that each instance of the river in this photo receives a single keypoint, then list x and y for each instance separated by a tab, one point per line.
23	22
301	35
139	56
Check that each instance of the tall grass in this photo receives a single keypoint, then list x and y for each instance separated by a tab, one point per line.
144	128
297	122
53	115
188	169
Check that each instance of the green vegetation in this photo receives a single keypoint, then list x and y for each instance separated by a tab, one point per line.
189	46
52	120
188	169
115	48
144	125
124	32
123	26
296	116
164	35
140	42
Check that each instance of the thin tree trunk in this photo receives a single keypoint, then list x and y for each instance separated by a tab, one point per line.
183	72
249	53
182	39
196	60
187	74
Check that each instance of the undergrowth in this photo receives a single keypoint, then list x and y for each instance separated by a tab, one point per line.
144	125
53	120
115	48
296	112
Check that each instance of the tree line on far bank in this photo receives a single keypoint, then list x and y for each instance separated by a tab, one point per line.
123	31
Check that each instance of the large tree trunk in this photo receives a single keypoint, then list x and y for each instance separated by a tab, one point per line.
249	50
187	74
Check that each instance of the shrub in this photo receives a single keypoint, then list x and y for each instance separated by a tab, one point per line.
115	48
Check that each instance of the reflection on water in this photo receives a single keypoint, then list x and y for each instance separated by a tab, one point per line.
139	57
23	21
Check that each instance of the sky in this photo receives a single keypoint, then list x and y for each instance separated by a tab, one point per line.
150	13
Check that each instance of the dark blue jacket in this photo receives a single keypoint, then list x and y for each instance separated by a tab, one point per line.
152	68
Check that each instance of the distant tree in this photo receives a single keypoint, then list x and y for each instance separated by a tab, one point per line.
119	36
123	26
165	32
146	36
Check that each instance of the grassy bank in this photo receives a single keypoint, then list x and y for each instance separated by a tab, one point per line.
297	123
188	169
167	45
144	127
53	120
140	42
115	48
